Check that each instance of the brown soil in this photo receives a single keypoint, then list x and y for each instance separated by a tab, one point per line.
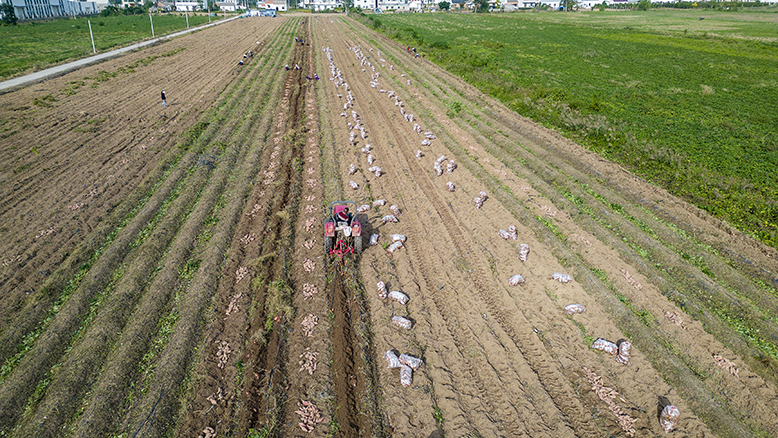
205	262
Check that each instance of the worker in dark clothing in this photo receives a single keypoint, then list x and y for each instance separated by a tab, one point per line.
344	216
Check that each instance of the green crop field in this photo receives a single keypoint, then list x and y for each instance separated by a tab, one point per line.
34	46
686	103
761	25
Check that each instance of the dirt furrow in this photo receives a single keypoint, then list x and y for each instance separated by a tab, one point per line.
122	245
265	222
132	116
105	401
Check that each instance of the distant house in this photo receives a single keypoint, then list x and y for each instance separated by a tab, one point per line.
165	6
588	4
393	5
39	9
321	5
366	4
278	5
187	6
227	6
413	6
510	5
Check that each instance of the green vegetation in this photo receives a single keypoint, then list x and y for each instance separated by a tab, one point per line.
34	46
438	415
45	101
8	14
689	112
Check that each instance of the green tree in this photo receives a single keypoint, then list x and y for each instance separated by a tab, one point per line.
7	14
602	6
110	10
444	6
481	5
644	5
568	5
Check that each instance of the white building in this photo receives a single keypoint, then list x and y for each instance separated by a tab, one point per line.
228	6
393	5
320	5
278	5
37	9
187	6
366	5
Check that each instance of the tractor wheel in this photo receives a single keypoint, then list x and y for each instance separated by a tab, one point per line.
328	242
357	244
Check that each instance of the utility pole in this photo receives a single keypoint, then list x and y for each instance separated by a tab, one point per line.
91	36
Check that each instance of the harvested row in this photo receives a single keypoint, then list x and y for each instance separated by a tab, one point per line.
353	370
529	219
73	182
109	395
174	361
154	232
246	305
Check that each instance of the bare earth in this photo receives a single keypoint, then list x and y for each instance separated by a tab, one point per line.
163	269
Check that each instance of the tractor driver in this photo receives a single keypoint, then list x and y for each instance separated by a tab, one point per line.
344	216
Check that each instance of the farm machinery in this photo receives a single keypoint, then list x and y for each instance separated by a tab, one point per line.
342	230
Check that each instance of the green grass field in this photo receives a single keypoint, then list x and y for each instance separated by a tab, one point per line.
655	91
761	25
34	46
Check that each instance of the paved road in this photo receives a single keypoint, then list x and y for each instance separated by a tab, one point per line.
39	76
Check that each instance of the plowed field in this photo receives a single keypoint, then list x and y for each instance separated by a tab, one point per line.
163	269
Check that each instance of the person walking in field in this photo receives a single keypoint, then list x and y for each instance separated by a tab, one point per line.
164	100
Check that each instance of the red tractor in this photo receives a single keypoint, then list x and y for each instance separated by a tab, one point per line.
342	230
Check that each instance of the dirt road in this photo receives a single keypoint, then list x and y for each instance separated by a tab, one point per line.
164	271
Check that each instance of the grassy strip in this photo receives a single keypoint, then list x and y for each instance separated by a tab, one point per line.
759	296
190	137
28	317
37	45
74	301
139	346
